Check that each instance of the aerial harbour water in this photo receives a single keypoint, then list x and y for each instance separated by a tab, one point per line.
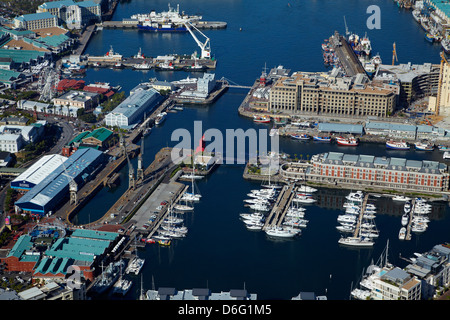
219	252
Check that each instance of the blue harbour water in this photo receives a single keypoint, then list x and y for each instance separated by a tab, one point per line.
219	252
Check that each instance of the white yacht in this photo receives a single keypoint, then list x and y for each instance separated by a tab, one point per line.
346	218
304	199
356	241
407	207
135	265
402	233
191	176
183	207
401	198
361	294
418	227
280	232
405	219
357	196
259	207
190	197
252	216
160	118
122	286
254	225
346	228
305	188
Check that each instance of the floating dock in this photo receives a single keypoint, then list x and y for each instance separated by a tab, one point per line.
347	57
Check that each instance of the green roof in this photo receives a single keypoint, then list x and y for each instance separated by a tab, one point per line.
53	41
21	56
22	244
100	134
53	265
79	137
95	234
77	249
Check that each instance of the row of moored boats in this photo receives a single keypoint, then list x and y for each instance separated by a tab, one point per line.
415	215
358	220
261	202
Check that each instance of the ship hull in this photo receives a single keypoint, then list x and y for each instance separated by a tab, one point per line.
161	29
396	147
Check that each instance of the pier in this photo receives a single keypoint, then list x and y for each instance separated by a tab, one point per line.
410	221
133	25
361	215
346	55
280	207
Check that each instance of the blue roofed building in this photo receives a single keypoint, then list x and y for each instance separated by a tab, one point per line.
51	191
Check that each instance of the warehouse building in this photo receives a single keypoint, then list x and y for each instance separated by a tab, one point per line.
393	130
341	128
131	111
37	172
53	189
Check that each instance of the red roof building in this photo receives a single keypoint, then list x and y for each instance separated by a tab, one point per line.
67	84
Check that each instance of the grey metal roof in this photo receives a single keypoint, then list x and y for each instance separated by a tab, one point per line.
350	157
341	127
369	161
390	126
238	293
396	275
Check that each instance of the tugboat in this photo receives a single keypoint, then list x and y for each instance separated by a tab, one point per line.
322	139
397	145
303	136
351	141
263	119
424	146
160	118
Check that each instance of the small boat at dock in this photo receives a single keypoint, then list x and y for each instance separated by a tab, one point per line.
261	119
303	136
397	145
160	118
350	142
322	139
424	146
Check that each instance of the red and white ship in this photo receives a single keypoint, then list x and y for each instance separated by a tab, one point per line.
263	119
347	141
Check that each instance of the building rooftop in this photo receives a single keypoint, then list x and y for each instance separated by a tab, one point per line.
341	128
38	171
57	180
95	234
134	102
100	134
393	163
36	16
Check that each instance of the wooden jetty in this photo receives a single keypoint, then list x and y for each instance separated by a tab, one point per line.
280	207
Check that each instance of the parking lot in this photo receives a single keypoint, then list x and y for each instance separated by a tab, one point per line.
153	205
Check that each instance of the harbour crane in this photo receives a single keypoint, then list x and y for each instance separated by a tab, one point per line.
205	47
131	179
73	186
394	54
